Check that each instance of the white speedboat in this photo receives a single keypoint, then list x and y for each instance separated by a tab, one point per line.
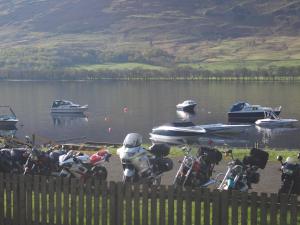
225	129
176	131
244	112
64	106
8	119
272	120
187	105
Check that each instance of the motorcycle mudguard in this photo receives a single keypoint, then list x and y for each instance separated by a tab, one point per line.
129	172
209	182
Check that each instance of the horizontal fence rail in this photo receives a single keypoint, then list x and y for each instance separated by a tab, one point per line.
37	200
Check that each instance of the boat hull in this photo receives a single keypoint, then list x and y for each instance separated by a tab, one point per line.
248	117
8	123
276	122
69	110
224	129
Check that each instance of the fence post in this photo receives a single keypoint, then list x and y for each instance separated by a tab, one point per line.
2	204
283	209
224	208
120	203
273	209
253	208
294	205
145	192
170	205
16	200
112	203
216	205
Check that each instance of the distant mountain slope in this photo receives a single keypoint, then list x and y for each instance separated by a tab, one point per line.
64	33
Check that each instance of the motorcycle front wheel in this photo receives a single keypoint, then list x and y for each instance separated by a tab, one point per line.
178	182
286	188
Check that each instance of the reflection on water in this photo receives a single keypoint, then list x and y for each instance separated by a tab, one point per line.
268	134
8	131
68	119
185	116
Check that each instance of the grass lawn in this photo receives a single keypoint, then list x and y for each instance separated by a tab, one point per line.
118	66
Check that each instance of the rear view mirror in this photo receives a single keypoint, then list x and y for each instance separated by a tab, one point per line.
298	155
279	158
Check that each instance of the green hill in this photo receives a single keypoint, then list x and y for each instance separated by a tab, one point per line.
155	34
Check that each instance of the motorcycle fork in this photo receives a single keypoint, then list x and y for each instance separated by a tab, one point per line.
225	177
188	173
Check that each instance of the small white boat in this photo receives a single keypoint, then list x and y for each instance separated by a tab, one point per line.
9	119
176	131
187	105
225	129
272	120
64	106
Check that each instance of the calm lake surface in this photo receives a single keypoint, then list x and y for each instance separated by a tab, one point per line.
148	104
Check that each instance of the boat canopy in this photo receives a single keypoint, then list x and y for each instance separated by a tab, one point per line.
182	124
238	106
58	103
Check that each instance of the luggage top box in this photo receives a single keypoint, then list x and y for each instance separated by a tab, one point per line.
257	158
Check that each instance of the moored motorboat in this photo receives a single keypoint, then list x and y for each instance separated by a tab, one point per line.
244	112
64	106
187	105
271	120
176	131
8	119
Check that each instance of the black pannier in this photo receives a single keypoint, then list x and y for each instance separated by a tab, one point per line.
160	150
257	158
213	155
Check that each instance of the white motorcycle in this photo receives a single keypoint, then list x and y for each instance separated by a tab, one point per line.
140	164
83	166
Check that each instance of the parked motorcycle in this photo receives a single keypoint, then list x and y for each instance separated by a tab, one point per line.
83	166
241	175
290	175
196	170
39	163
142	165
13	160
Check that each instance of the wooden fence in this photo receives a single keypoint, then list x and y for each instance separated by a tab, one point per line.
26	200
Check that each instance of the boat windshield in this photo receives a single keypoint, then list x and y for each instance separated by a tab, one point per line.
58	103
238	106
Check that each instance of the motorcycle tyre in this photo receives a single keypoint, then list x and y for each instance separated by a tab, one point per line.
156	181
101	173
285	189
178	181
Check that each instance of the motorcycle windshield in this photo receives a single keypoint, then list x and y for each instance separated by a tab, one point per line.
64	157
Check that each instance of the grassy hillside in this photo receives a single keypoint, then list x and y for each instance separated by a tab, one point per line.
149	34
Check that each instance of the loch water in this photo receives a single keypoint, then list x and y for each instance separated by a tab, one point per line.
120	107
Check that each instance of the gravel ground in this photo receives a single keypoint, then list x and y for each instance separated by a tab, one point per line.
269	177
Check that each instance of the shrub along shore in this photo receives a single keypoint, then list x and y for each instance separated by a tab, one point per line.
140	73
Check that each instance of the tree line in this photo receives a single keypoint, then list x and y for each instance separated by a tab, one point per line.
175	73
